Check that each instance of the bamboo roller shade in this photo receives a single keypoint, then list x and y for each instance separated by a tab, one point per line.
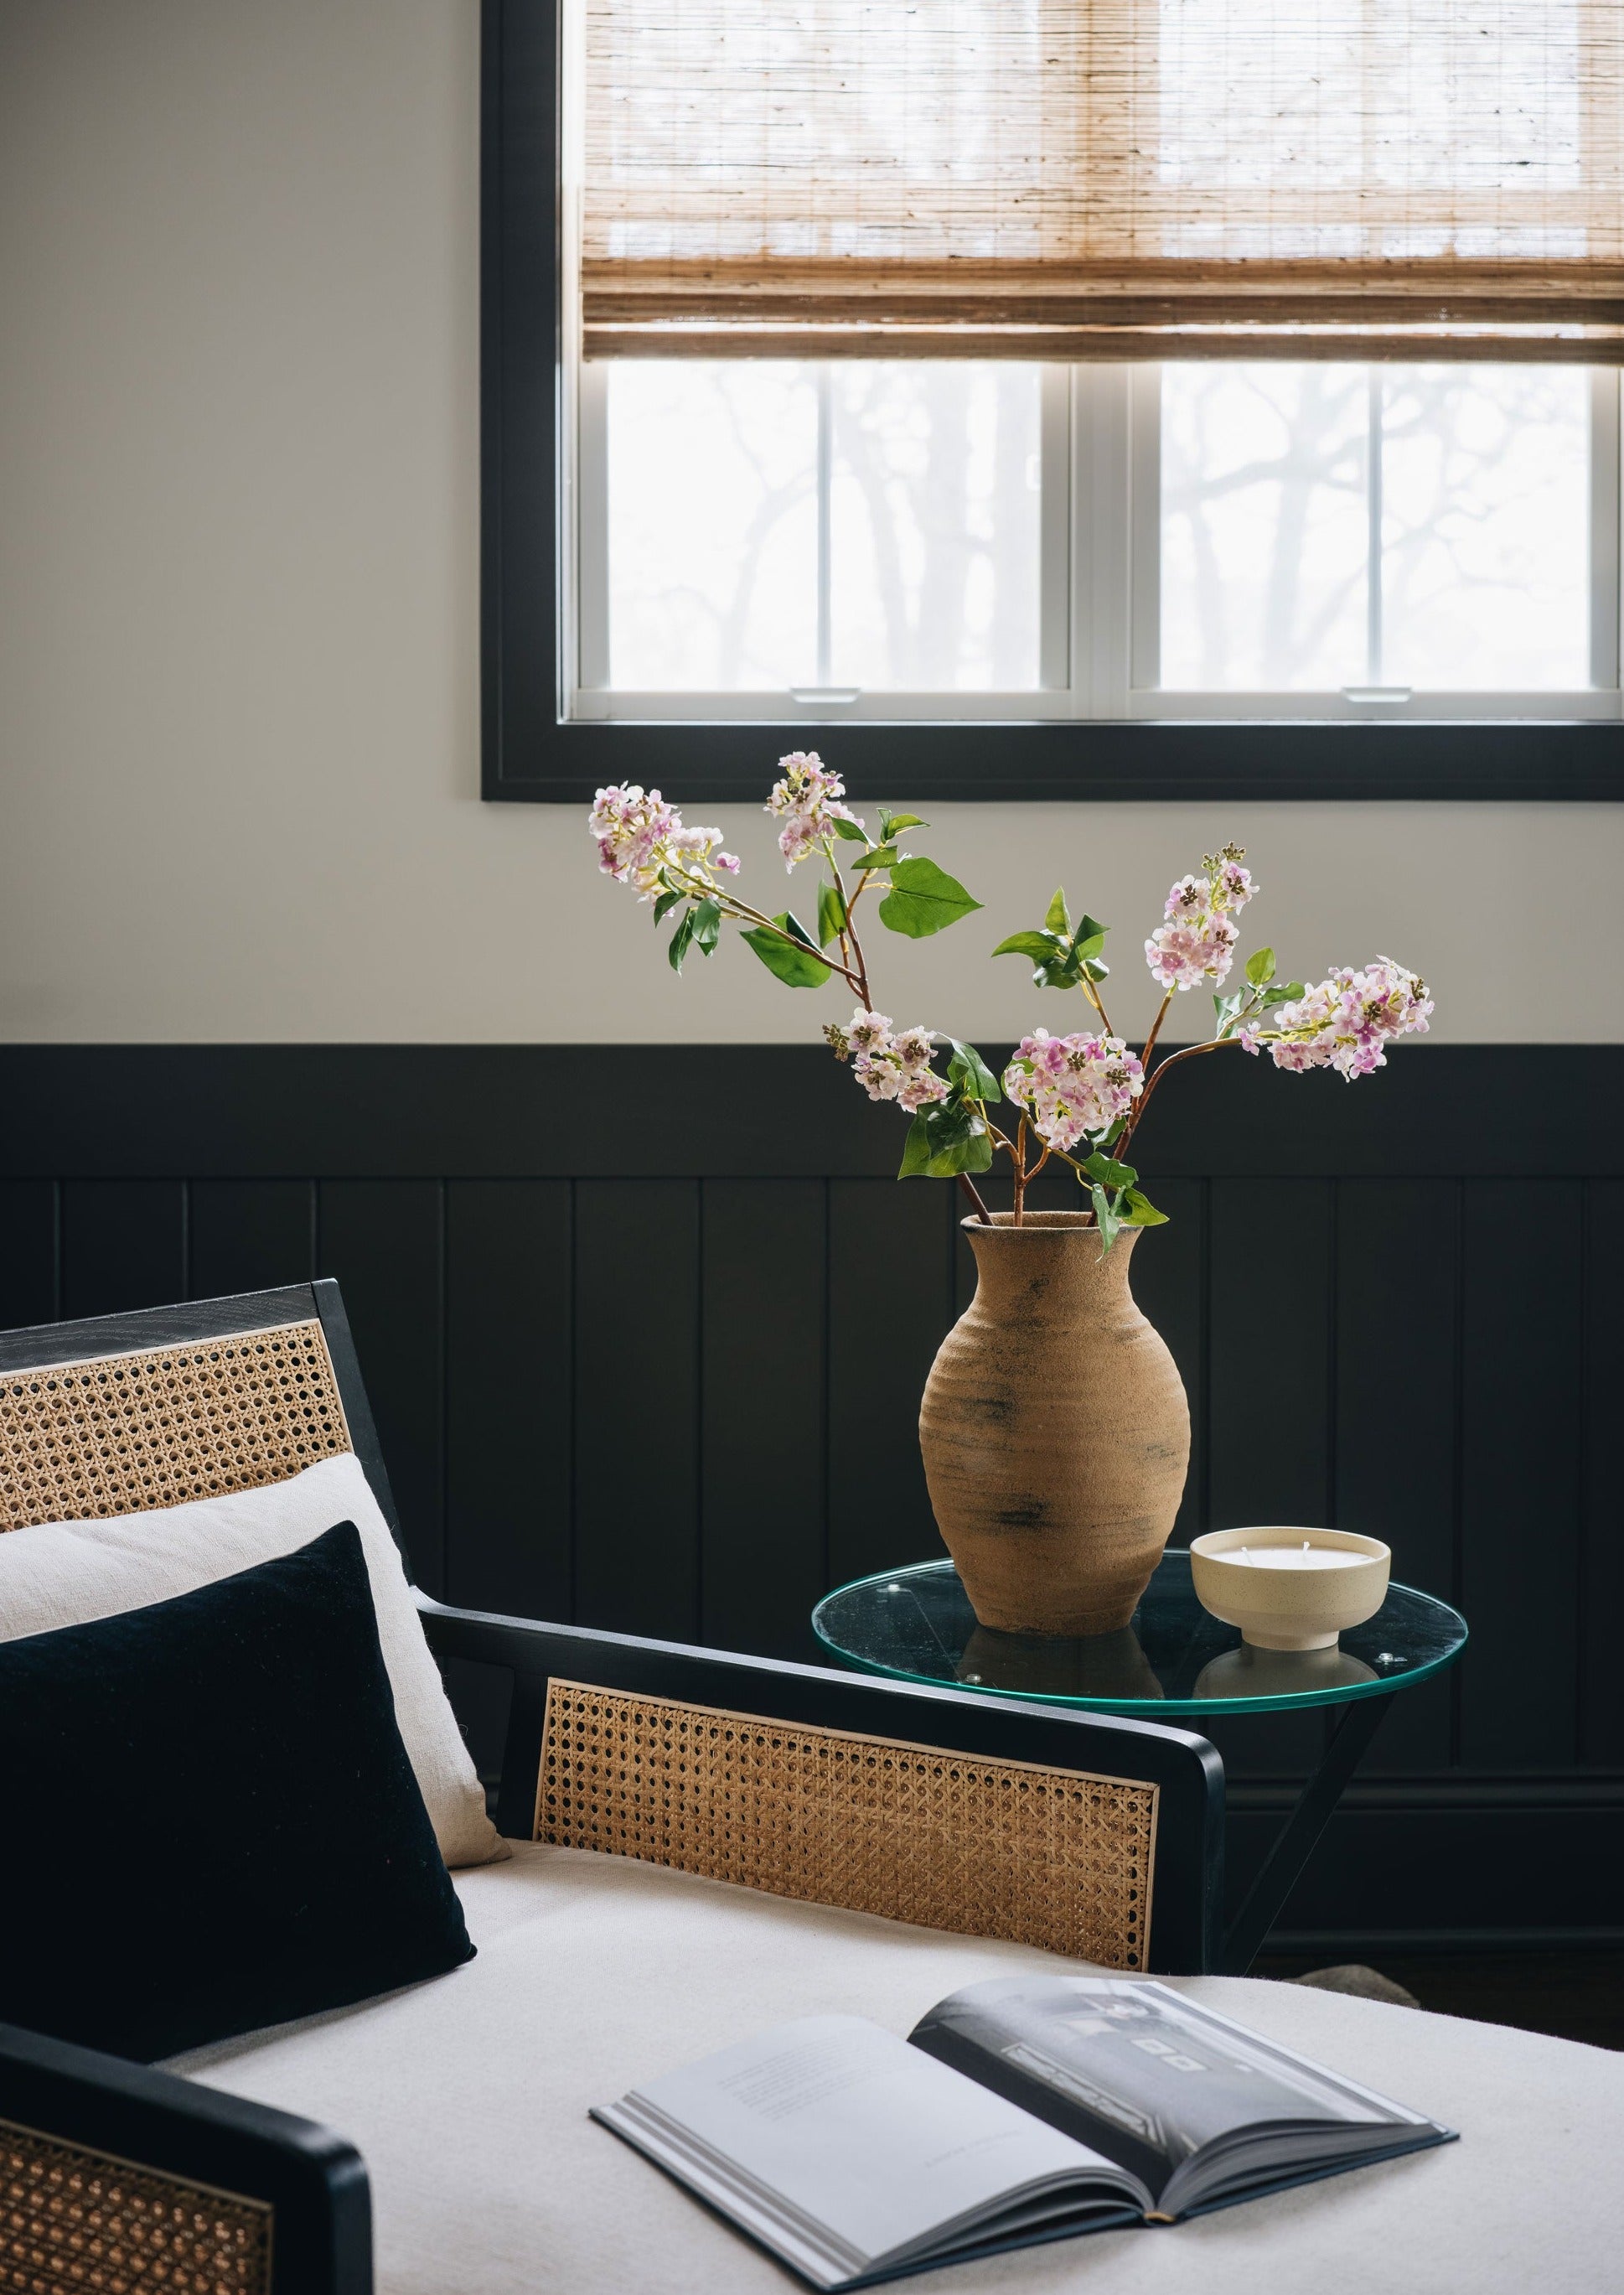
1104	178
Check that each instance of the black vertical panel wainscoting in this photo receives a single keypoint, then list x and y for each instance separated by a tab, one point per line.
664	1377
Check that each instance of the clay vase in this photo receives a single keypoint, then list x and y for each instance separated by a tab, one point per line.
1055	1430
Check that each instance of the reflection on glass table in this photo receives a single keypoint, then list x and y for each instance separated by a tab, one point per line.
1172	1661
1173	1658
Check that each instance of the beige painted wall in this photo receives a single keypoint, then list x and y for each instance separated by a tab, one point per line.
238	618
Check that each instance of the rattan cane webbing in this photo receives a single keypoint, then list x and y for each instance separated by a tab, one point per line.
950	1841
124	1434
73	2219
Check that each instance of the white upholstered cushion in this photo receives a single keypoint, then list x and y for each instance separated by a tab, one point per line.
468	2098
65	1573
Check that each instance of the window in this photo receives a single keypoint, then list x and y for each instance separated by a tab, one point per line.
765	450
906	539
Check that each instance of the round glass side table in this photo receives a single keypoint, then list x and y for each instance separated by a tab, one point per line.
1174	1662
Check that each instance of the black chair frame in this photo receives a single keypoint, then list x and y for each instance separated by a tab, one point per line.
315	2180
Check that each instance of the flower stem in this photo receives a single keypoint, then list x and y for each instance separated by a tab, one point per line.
861	983
1156	1030
1098	1002
974	1193
1189	1052
741	912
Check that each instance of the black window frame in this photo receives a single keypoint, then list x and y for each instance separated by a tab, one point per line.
531	756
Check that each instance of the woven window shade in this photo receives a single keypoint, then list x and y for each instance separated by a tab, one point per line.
1104	178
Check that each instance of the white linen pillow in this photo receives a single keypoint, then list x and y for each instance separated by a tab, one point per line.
65	1573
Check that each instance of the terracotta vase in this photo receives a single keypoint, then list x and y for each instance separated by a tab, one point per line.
1055	1430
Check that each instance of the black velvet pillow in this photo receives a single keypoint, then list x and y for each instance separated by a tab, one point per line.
208	1819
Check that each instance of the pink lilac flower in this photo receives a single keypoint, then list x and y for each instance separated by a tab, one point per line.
889	1067
631	826
1182	956
638	835
1346	1021
807	800
1072	1087
1196	944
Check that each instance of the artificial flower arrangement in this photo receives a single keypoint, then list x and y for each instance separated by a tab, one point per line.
1078	1097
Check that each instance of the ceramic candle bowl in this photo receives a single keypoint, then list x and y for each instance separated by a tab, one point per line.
1281	1597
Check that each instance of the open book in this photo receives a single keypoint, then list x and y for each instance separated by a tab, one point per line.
1028	2108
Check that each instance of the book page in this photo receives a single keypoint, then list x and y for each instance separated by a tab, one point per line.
837	2126
1136	2069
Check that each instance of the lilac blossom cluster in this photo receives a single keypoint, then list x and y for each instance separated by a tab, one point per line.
1197	942
888	1067
807	801
1347	1021
639	834
1072	1087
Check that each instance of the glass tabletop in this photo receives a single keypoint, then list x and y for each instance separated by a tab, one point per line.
1174	1658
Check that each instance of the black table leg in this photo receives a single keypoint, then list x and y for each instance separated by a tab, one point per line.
1360	1718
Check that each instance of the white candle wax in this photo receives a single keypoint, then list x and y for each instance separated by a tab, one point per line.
1301	1557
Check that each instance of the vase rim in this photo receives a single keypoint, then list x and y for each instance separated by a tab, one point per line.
1033	1223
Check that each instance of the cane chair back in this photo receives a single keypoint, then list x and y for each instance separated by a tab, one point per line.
121	1414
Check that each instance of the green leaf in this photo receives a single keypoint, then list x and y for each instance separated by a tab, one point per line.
1108	1220
831	914
1059	917
707	926
665	905
959	1140
970	1072
1260	967
1283	992
881	856
797	967
916	1149
893	824
974	1154
680	939
923	900
1225	1007
1108	1171
850	830
1059	962
1038	945
943	1140
1140	1211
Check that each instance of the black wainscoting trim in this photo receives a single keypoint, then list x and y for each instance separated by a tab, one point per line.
492	1111
667	1383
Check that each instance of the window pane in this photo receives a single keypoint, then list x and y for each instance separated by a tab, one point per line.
713	516
1485	526
1263	526
935	519
933	532
1265	529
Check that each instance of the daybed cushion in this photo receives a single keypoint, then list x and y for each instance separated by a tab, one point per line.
64	1574
267	1848
468	2098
